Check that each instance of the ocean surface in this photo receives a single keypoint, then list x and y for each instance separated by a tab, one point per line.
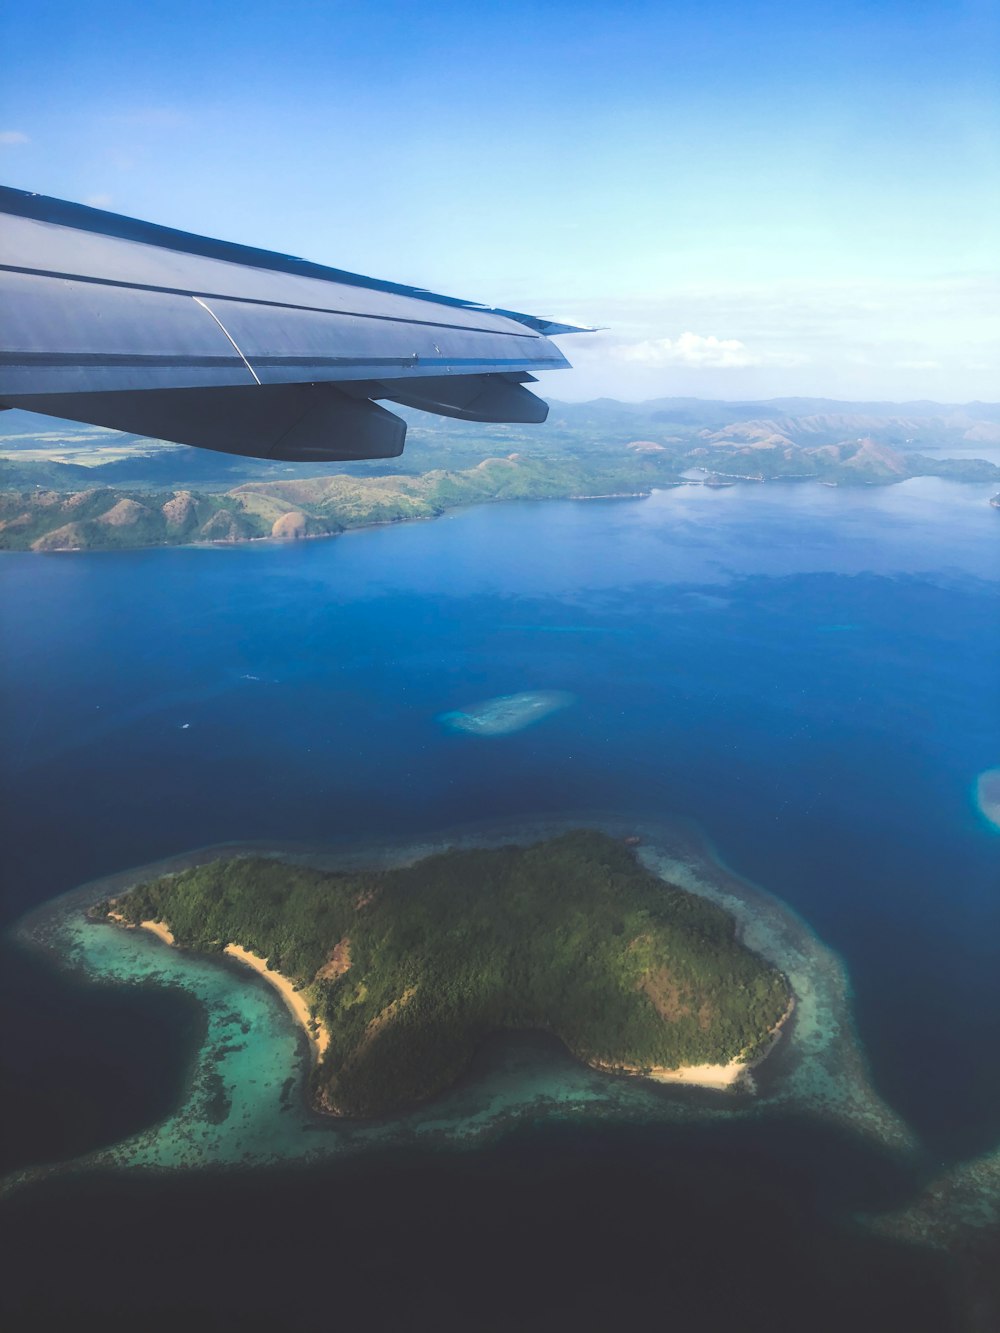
810	676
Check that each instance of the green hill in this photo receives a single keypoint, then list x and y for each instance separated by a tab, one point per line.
409	969
102	518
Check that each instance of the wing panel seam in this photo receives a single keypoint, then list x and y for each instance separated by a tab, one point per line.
168	360
198	301
263	301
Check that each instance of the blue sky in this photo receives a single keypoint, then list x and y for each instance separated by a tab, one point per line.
754	198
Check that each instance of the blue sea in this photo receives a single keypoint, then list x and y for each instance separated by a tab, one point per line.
809	675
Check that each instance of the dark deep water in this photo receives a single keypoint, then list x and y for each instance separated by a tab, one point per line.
813	675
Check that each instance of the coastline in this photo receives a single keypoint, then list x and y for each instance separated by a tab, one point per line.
661	484
720	1078
317	1033
734	1075
221	543
160	929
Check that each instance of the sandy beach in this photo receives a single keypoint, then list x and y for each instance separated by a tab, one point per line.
160	929
720	1077
319	1039
702	1076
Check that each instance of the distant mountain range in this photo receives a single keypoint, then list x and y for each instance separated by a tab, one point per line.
44	518
39	451
801	421
70	487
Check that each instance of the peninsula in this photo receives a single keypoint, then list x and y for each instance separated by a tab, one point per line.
399	975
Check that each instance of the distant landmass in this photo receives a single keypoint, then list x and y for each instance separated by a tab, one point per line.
61	492
105	518
399	975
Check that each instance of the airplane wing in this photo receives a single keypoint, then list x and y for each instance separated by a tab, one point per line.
122	323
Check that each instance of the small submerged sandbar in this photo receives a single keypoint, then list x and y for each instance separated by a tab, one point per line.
506	713
988	795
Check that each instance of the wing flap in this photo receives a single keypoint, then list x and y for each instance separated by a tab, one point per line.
297	422
493	398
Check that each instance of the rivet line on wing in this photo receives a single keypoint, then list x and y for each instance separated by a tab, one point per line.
198	301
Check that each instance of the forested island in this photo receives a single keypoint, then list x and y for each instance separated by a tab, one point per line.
400	974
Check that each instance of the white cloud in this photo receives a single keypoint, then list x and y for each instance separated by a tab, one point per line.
13	137
816	339
690	349
98	200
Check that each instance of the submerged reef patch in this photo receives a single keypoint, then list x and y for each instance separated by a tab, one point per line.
952	1207
988	795
506	713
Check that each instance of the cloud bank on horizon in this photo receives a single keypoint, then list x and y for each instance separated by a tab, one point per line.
752	200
